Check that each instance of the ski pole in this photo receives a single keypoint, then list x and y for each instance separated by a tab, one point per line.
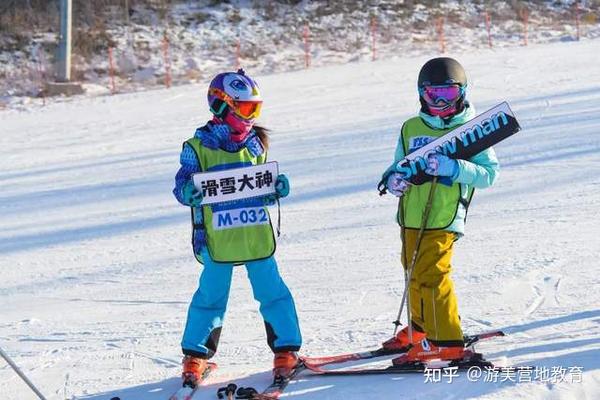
416	252
21	374
408	271
404	263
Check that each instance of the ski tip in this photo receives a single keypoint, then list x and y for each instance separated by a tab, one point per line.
497	333
490	334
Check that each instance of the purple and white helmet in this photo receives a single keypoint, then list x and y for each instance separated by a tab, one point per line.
237	92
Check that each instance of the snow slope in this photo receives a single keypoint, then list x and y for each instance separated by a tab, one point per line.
97	269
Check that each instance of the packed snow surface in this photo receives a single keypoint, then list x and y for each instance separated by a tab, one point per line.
97	269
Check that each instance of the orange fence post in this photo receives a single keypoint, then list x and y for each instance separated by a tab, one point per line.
306	46
111	70
41	75
525	16
374	38
441	38
167	61
488	25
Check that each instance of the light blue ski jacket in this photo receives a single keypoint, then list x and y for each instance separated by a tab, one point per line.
480	171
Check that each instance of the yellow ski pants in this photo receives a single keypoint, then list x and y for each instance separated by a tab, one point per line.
433	304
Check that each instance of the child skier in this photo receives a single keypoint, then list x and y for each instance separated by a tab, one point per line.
231	140
434	330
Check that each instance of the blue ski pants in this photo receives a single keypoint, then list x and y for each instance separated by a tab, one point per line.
207	309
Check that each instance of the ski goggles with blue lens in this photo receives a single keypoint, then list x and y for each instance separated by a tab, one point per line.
434	94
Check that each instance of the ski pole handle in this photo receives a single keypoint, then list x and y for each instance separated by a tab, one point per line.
381	186
21	374
230	392
246	393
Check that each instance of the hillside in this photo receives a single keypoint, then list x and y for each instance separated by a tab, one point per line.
191	40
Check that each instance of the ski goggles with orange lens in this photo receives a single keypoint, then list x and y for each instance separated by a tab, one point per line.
445	93
247	109
243	108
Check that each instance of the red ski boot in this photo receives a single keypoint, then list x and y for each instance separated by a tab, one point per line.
425	351
194	370
401	341
284	363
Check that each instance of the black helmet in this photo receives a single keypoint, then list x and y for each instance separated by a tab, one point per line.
442	71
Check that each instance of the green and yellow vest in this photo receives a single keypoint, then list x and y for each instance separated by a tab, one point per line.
233	244
447	199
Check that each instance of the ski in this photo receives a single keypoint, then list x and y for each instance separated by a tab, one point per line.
187	392
274	390
315	364
474	360
470	340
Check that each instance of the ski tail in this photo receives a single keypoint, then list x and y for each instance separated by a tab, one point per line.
470	340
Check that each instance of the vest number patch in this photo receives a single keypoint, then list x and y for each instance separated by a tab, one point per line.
239	217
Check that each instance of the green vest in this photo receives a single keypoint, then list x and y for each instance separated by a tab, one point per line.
232	242
447	199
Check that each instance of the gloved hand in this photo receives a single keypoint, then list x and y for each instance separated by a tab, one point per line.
190	195
282	186
282	189
440	165
397	185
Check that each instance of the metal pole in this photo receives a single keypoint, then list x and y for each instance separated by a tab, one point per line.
64	48
21	374
413	262
408	270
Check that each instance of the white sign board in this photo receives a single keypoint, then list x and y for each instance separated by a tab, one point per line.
237	183
463	142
